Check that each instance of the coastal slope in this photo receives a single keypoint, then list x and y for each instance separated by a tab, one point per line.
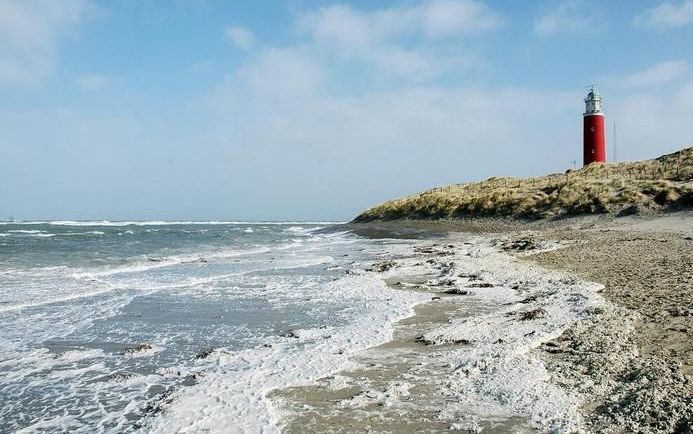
630	230
664	183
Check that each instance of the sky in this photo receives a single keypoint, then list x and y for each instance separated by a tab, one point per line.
316	110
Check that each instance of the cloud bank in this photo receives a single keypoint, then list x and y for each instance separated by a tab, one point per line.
666	16
30	31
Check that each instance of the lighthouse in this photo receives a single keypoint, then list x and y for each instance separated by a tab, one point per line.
594	142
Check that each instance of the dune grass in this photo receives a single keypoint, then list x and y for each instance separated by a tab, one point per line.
654	185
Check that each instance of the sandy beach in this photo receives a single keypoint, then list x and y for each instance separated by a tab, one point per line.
577	325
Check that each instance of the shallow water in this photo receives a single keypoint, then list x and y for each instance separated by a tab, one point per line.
204	327
467	361
105	324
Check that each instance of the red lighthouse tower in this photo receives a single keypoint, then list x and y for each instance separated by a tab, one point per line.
594	145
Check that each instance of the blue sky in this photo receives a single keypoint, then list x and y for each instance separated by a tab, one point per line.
315	110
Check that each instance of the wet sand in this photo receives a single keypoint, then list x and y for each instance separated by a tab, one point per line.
635	370
630	364
392	388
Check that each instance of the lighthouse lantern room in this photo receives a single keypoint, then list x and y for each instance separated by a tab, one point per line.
594	142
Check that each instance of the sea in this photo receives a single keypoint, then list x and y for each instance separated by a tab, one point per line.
164	326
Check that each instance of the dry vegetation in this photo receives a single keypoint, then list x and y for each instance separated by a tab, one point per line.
623	188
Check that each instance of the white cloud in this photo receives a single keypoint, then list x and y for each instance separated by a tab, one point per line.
29	35
651	123
352	29
443	18
658	74
569	17
274	77
278	125
289	133
95	82
666	15
376	36
241	37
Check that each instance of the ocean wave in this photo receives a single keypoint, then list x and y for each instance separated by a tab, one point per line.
27	233
99	233
150	262
44	234
233	391
33	271
164	223
55	299
101	287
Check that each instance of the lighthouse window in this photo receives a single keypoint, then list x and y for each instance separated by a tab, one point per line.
592	129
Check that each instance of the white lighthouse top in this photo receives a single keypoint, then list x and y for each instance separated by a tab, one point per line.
593	102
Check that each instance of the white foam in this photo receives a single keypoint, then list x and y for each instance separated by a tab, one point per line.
499	374
59	298
100	287
45	234
60	286
164	223
231	397
149	263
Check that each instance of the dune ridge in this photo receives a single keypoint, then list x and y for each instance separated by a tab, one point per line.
661	184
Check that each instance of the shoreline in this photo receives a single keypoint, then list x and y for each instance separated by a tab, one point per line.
412	383
602	360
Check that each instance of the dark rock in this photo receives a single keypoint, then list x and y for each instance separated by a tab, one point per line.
204	353
457	291
120	376
470	276
423	340
290	334
678	311
520	244
529	299
480	285
532	314
382	267
190	380
428	342
136	349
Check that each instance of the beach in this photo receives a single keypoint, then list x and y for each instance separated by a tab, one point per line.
491	325
575	325
162	326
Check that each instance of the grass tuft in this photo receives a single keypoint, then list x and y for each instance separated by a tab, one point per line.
664	183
